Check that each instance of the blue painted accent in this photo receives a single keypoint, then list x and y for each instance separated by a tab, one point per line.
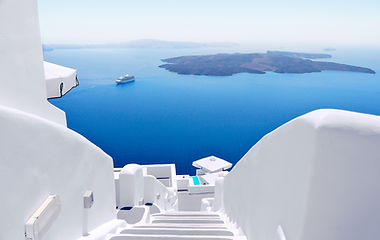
196	180
126	208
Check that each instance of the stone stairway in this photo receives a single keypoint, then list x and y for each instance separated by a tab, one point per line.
180	226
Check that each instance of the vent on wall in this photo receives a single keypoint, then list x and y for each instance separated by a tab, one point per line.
42	219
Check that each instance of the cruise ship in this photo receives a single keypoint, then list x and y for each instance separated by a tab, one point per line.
125	79
314	178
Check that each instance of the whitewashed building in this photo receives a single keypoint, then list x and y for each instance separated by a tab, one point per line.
316	177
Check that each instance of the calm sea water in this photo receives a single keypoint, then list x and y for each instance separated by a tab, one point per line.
164	117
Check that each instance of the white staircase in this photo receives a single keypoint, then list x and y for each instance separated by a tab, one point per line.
180	226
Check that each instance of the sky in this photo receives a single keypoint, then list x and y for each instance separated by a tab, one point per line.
328	23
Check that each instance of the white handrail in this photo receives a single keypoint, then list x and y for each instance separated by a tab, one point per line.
156	192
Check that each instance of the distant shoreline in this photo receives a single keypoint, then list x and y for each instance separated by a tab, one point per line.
144	43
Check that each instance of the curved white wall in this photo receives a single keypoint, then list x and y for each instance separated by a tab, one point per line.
41	158
131	186
317	177
22	79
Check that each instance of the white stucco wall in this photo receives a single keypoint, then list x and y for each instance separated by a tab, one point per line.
22	79
55	75
40	158
131	186
317	177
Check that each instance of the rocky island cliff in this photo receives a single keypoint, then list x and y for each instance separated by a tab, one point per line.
259	63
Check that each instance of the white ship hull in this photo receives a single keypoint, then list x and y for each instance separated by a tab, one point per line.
125	79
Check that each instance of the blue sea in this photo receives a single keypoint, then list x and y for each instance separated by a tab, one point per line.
164	117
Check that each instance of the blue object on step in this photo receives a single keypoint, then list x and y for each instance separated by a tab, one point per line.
196	180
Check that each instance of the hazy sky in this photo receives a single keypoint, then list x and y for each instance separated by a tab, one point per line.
328	23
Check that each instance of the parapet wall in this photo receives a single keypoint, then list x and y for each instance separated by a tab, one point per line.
316	177
41	158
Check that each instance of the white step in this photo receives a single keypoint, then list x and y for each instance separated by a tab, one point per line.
186	214
188	220
178	231
167	237
187	226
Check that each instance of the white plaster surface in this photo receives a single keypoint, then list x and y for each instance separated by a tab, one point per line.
106	230
22	78
317	177
155	192
131	186
212	164
41	158
55	75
